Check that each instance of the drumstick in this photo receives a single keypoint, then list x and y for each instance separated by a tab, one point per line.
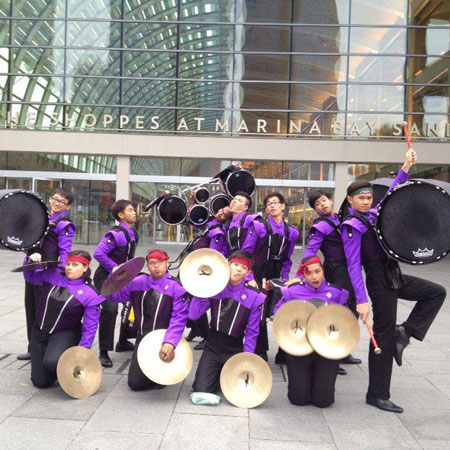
377	349
407	137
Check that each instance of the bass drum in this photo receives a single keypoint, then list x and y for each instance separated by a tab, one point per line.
218	202
380	187
240	180
172	210
24	219
413	221
198	214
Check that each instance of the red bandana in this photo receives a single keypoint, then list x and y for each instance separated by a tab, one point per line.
244	261
303	266
79	258
158	254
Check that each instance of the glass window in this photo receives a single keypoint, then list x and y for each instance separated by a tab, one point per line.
430	99
202	94
211	10
426	70
382	12
149	92
154	120
38	32
262	67
374	125
264	169
141	195
323	12
317	124
87	9
5	8
205	65
428	13
92	91
150	35
206	37
263	96
155	166
150	10
259	122
198	120
93	62
319	39
433	124
2	180
389	69
202	167
430	40
319	68
3	160
317	97
43	8
19	183
260	38
93	34
375	98
4	31
149	64
37	60
268	11
308	171
37	89
378	40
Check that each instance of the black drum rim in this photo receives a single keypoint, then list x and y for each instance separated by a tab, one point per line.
201	189
197	206
389	252
162	202
233	174
47	229
215	198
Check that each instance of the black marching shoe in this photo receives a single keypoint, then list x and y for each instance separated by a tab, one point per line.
385	405
104	358
341	371
24	356
124	346
200	345
351	360
401	342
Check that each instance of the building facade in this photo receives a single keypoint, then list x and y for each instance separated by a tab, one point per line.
124	98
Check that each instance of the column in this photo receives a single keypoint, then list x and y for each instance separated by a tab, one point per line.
123	174
341	183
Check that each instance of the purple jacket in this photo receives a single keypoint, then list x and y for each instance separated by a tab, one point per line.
326	238
113	249
302	290
157	305
360	244
66	304
214	238
236	311
257	243
235	234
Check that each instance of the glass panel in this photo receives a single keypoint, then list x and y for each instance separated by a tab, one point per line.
153	120
375	98
43	8
319	39
315	97
430	99
37	89
33	161
268	11
93	34
382	12
5	8
319	68
206	37
37	60
429	41
434	123
263	169
377	69
429	70
102	196
308	171
324	11
79	211
263	96
150	35
211	10
378	40
93	91
149	64
375	125
151	10
149	93
263	67
202	167
38	32
429	13
44	188
164	232
317	124
4	32
202	94
266	39
93	62
2	181
155	166
87	9
259	122
19	183
141	195
204	65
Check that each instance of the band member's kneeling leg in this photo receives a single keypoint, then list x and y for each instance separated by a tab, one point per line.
207	376
137	380
324	380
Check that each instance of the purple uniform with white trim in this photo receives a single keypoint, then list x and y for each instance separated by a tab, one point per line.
236	230
235	312
66	304
213	237
157	304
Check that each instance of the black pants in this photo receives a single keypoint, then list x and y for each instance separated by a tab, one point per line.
199	327
311	380
45	353
32	298
137	380
218	350
429	297
108	314
336	272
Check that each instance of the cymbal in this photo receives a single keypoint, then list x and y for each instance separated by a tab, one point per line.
333	331
35	265
155	368
289	327
204	273
122	276
79	372
246	380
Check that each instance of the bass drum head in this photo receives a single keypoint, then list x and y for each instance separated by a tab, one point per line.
23	219
172	210
218	202
201	195
198	214
241	180
413	223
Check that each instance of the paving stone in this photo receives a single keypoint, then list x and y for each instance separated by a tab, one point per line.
19	433
434	445
121	389
10	403
259	444
206	432
8	326
15	382
432	424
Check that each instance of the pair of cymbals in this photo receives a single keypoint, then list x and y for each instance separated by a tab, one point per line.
204	273
122	276
157	370
79	372
35	265
300	328
246	380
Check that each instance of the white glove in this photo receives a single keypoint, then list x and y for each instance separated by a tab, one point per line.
35	257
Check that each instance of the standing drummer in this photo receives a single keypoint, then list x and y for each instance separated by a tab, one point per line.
57	244
235	317
385	284
311	378
117	247
159	301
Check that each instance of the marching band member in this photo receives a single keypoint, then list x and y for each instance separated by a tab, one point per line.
117	246
385	284
311	378
159	301
235	317
67	315
57	244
